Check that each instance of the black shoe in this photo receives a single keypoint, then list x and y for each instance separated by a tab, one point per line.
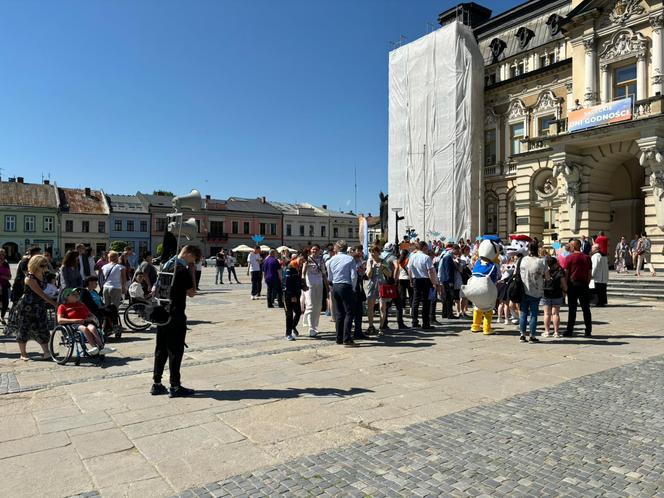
452	317
158	389
534	339
434	321
361	336
350	344
522	338
180	392
403	326
416	325
567	334
340	342
427	327
295	332
587	334
270	305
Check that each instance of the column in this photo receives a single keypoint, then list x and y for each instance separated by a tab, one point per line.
657	74
590	95
570	96
605	83
641	77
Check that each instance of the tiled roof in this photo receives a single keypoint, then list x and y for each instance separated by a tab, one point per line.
157	200
250	206
28	195
75	201
126	204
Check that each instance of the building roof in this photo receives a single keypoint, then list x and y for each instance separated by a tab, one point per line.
77	201
156	200
297	209
215	204
126	204
259	205
33	195
534	19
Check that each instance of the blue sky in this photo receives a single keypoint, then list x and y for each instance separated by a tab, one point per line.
234	97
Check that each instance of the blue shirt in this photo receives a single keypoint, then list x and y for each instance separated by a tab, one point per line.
447	269
341	269
484	268
419	264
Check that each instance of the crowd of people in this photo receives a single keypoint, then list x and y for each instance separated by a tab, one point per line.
415	277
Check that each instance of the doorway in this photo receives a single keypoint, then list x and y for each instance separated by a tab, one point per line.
11	252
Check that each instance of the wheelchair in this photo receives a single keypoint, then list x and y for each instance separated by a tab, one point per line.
137	315
67	341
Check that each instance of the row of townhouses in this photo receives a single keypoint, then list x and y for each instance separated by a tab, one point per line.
57	219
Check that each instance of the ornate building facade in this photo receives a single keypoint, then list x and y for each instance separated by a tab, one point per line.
574	132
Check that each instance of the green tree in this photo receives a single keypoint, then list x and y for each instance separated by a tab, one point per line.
118	245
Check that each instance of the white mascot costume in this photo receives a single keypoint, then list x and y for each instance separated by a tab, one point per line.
481	287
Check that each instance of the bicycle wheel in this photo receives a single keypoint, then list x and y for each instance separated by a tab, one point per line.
61	345
136	316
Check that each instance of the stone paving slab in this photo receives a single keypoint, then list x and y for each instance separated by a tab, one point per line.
600	435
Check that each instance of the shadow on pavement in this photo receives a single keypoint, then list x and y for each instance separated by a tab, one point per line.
237	395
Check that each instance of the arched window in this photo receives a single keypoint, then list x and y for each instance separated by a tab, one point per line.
491	212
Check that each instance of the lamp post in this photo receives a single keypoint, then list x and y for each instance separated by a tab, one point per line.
396	224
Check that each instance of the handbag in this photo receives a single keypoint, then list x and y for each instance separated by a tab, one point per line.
516	289
388	291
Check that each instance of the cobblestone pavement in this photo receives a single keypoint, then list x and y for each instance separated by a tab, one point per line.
262	402
601	435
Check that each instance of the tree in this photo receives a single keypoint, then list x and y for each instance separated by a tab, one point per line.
118	245
163	192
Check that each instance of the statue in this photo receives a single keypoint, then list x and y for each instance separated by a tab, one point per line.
571	172
384	212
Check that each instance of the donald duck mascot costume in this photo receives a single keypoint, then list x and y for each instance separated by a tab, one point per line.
481	287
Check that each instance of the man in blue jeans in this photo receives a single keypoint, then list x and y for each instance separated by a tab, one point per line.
532	270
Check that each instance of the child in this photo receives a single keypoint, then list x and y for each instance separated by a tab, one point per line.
138	290
51	289
73	312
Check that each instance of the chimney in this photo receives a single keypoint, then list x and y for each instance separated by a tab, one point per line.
87	192
263	200
19	179
47	182
11	179
324	206
207	197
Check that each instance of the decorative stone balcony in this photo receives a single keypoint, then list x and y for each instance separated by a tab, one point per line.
509	168
648	107
493	169
534	144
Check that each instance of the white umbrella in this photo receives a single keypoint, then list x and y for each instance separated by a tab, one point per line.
285	248
266	248
242	248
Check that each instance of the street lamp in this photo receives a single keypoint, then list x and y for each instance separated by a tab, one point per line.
396	225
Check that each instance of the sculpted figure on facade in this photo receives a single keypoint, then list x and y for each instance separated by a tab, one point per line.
624	9
571	172
653	158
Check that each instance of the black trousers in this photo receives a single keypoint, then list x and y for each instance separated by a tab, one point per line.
274	291
231	271
256	282
448	303
198	278
170	346
293	311
578	293
4	299
404	299
600	294
358	314
421	296
344	311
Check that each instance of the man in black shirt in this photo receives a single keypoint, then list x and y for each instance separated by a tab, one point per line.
171	337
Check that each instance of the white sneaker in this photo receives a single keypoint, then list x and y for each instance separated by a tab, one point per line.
312	333
93	351
107	350
506	322
290	338
515	321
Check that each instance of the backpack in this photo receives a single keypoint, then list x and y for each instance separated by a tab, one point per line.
516	289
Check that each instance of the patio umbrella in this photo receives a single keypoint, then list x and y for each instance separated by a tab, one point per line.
282	248
242	248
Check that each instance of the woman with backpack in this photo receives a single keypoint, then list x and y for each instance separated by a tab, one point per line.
555	287
643	248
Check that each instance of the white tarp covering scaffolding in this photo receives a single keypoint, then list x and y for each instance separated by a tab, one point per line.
436	121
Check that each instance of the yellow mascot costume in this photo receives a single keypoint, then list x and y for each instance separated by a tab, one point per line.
481	287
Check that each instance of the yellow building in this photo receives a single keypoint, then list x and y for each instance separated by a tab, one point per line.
565	154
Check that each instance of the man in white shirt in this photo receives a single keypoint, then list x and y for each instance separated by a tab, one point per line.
254	267
342	277
423	276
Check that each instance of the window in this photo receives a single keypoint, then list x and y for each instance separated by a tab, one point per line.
517	69
350	232
516	134
490	79
101	247
118	225
246	228
624	81
69	225
85	226
543	125
322	230
49	224
301	230
491	212
10	223
216	227
144	225
273	229
311	230
160	224
101	227
130	225
29	223
262	228
490	146
549	219
289	230
235	227
547	59
335	230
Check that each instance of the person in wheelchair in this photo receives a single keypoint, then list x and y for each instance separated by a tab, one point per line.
74	312
138	290
107	315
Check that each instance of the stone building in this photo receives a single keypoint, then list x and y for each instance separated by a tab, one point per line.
83	219
574	134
